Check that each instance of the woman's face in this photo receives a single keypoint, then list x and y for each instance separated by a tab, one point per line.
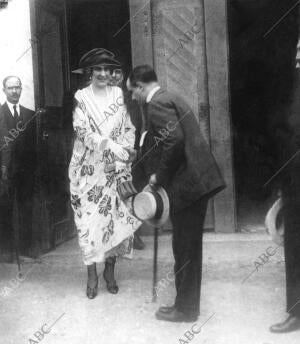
101	76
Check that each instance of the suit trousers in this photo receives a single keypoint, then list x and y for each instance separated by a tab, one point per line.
291	213
21	192
6	232
187	250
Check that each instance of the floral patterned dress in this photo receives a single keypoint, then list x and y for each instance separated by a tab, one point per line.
104	222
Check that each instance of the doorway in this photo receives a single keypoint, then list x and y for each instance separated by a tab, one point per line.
262	68
63	31
98	24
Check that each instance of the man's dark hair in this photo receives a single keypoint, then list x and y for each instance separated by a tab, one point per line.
9	77
143	73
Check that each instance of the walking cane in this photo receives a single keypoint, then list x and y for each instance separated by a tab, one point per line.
154	294
16	230
17	256
14	237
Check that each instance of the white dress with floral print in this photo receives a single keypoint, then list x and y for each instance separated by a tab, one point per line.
104	222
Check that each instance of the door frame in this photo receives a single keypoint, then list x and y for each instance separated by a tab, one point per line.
47	234
217	60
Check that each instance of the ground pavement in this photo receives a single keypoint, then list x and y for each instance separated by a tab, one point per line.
242	295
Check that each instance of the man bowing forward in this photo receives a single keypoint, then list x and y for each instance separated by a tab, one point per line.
175	155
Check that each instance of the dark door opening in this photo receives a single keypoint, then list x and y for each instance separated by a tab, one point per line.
98	24
262	68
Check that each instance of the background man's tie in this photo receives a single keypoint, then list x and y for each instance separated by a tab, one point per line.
16	115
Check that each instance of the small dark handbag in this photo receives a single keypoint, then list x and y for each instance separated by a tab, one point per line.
126	189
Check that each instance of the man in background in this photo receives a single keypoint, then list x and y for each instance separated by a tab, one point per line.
18	162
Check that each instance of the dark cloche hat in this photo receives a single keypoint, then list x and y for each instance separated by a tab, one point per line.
96	57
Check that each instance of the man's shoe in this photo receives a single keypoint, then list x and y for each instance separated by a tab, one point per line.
292	323
175	316
166	309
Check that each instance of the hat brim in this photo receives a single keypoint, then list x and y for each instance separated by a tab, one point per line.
166	210
276	233
83	70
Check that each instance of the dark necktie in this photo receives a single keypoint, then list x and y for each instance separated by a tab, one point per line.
144	110
15	113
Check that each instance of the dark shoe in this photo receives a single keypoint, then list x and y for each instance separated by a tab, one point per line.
108	275
138	243
92	283
91	292
292	323
166	309
111	286
175	316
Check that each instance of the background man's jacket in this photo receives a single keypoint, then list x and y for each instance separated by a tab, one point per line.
18	141
176	151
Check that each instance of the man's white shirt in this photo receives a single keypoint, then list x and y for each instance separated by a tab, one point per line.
151	94
148	100
11	108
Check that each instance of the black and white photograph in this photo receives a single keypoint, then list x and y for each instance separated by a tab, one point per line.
150	171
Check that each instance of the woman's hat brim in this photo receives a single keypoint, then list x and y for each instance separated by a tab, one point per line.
84	69
96	57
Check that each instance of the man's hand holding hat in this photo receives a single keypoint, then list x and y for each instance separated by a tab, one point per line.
153	181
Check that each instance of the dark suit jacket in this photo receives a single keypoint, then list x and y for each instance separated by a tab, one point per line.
176	151
18	142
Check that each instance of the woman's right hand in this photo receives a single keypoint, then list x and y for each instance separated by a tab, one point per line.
119	151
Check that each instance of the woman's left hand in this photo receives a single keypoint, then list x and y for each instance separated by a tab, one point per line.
132	154
120	166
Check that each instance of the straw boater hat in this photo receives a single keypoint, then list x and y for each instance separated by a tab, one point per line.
96	57
274	223
152	206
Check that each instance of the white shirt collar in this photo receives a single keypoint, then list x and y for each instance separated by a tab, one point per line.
151	94
11	107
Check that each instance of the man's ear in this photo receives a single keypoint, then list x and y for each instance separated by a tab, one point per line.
128	84
140	84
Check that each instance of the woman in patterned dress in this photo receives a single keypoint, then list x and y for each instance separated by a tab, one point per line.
100	164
